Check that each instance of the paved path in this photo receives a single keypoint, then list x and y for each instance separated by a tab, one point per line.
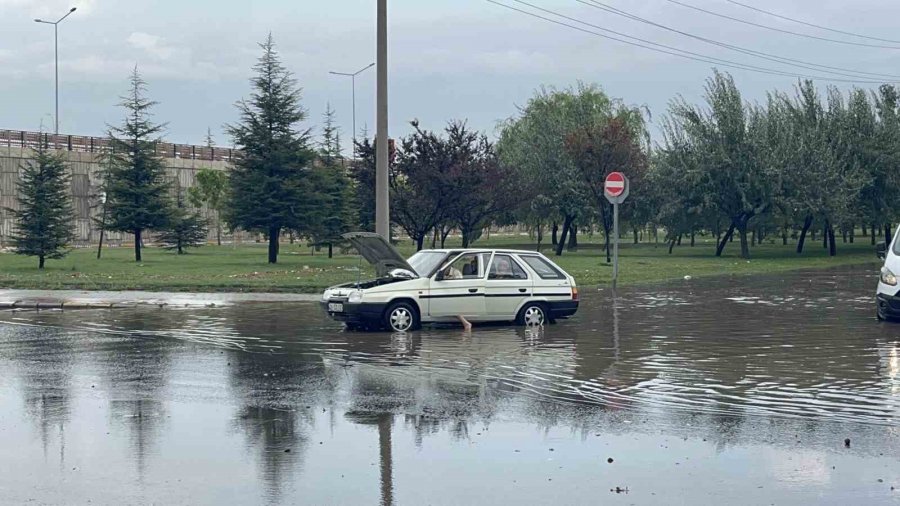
82	299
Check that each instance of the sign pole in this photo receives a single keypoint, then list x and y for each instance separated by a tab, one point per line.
615	245
616	190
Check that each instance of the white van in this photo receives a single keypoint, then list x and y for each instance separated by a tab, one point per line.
440	285
887	298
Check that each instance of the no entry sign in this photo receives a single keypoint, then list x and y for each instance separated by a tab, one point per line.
616	187
616	191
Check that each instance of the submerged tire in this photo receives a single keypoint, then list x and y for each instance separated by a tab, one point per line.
401	317
533	314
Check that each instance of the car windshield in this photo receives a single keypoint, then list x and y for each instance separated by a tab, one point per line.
425	262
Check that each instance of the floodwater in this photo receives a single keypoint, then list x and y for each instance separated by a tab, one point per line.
726	391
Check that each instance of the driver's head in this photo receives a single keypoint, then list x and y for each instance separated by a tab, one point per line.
503	266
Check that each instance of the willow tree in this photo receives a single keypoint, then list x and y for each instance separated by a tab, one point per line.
878	149
723	139
822	172
534	143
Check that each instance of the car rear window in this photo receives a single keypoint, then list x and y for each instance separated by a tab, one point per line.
543	268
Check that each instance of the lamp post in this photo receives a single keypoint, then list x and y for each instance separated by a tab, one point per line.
56	56
102	223
352	77
382	194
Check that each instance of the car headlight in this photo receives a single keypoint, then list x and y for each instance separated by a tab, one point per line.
326	295
355	296
887	277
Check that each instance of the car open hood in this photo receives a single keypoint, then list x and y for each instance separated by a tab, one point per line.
378	252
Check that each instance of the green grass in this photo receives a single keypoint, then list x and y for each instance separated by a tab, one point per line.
244	268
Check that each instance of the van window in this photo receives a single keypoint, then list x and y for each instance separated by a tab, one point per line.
543	268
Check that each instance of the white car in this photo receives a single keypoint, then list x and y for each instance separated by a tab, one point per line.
440	285
887	295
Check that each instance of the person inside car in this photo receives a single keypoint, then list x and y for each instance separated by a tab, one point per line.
502	270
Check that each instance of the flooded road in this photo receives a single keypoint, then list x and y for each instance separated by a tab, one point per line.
737	391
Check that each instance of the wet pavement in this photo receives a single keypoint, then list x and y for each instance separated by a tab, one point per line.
90	299
728	391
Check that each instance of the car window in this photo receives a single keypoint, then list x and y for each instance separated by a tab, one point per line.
425	262
468	266
543	268
504	267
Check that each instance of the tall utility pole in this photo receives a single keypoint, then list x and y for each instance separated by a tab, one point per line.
382	206
56	57
352	77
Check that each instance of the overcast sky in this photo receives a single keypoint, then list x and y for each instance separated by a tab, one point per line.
449	59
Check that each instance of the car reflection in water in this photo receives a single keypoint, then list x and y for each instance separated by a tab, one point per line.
276	404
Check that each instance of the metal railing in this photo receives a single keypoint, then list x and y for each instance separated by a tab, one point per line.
23	139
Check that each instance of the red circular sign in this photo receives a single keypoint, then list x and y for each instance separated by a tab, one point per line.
615	184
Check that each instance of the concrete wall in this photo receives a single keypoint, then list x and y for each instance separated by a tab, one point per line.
84	169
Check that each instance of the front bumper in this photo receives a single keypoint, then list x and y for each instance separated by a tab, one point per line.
563	309
363	312
888	305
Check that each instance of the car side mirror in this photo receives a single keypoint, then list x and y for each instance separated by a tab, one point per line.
439	276
881	250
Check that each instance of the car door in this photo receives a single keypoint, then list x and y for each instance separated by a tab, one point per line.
506	288
458	289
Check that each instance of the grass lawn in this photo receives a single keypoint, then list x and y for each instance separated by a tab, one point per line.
244	268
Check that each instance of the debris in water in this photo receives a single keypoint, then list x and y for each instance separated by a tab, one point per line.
609	460
619	490
847	442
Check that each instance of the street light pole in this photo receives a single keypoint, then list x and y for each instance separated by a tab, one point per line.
382	204
352	77
56	58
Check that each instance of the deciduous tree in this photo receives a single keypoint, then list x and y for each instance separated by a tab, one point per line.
210	189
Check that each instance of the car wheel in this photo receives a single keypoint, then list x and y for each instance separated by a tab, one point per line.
401	317
533	314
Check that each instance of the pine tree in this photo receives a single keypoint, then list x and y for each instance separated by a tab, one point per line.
137	193
362	174
43	220
185	230
271	183
335	191
330	147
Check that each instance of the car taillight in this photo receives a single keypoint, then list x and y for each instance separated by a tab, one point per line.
574	293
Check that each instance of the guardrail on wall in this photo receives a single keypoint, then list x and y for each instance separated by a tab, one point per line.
23	139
